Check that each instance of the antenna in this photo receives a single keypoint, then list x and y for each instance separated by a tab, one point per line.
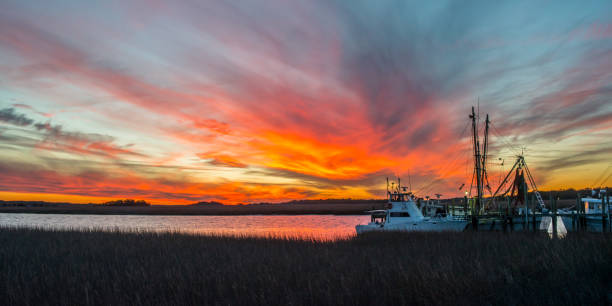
409	182
485	176
387	185
478	109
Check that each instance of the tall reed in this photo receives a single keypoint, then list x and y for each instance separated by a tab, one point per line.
90	267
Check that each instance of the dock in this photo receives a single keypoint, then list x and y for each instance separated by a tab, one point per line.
508	218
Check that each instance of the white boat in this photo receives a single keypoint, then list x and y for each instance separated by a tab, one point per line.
596	204
594	207
403	214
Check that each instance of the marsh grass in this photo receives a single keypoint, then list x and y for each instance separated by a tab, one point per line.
93	267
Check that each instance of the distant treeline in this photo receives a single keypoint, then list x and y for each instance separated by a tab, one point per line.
571	193
564	194
204	203
328	201
29	203
301	202
126	202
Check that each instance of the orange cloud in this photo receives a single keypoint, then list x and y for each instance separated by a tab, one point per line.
222	160
87	186
310	156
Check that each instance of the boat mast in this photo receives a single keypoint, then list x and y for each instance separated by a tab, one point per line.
477	162
399	189
388	193
484	156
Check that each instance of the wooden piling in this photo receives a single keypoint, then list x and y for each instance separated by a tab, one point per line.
603	215
465	206
533	210
605	211
578	210
475	213
583	219
607	196
525	198
508	206
554	219
552	205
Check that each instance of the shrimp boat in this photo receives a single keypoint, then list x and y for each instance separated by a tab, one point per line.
593	207
403	214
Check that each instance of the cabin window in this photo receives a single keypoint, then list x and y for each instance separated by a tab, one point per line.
400	214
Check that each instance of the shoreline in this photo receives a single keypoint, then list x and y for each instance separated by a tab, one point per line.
187	210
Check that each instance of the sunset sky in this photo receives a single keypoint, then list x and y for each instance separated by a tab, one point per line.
250	101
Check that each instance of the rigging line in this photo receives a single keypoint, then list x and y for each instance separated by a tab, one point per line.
444	168
603	181
501	173
437	179
509	147
440	179
428	189
514	149
431	186
467	157
498	134
457	155
511	152
607	178
444	171
602	175
432	183
472	182
488	183
450	166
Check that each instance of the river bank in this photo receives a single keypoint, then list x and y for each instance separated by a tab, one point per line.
194	210
118	268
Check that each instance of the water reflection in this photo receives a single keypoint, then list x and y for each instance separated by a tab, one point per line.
320	227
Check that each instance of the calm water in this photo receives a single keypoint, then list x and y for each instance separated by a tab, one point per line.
324	227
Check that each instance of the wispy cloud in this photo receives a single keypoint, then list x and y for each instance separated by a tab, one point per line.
9	115
55	138
329	95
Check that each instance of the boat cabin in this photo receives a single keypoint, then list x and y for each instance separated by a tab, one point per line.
378	216
402	208
596	203
594	206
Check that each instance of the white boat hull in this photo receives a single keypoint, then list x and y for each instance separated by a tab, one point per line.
592	223
424	226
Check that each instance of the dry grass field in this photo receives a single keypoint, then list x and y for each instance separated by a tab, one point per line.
112	268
